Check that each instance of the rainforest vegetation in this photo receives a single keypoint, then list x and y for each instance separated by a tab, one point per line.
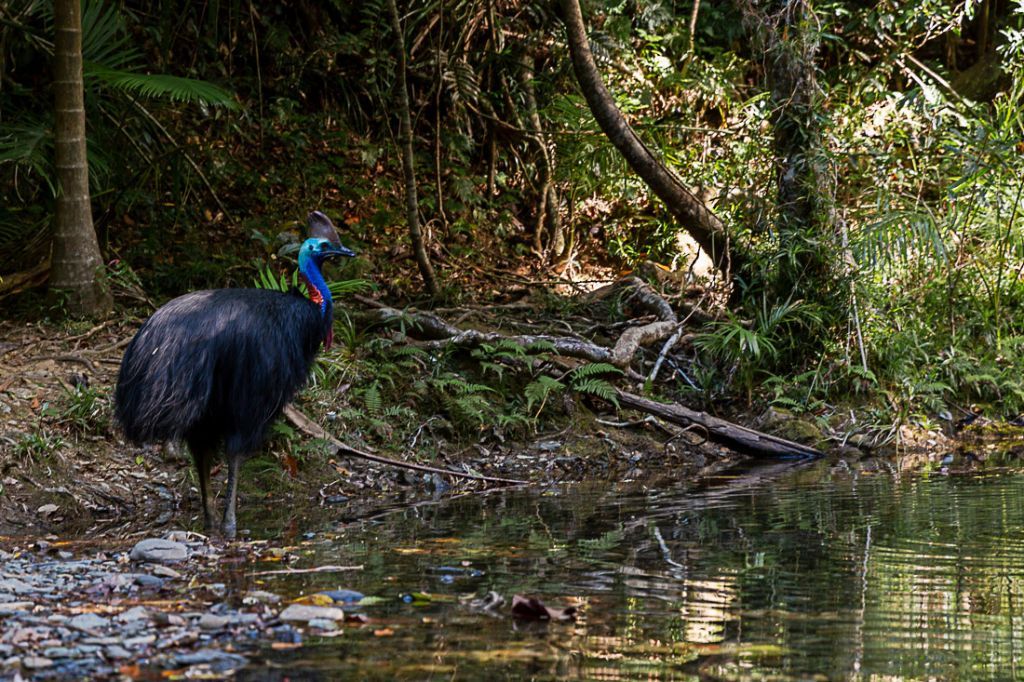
811	205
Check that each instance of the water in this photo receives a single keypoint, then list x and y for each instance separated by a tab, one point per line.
790	572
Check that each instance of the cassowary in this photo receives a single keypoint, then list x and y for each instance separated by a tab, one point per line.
215	368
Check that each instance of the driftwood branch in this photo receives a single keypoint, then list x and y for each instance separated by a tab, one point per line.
734	436
314	430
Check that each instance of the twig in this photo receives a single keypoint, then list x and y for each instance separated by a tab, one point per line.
669	345
314	430
66	358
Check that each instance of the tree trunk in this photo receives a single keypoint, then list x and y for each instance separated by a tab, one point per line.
703	225
808	253
408	163
76	262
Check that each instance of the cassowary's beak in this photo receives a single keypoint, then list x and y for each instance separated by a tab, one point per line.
337	250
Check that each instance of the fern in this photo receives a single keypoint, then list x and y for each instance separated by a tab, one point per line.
597	387
372	399
539	390
593	369
343	287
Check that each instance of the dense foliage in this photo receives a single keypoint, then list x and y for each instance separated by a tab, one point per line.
214	126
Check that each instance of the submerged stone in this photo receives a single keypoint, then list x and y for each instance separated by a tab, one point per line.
304	613
159	550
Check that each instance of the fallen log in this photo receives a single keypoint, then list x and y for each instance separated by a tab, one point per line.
736	437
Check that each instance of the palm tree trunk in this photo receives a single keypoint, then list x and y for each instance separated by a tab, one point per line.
408	164
76	264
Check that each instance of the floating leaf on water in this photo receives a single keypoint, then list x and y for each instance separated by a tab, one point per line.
318	599
425	598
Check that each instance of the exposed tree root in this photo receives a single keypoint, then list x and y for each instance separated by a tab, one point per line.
314	430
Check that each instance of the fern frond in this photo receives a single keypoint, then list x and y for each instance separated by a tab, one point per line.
539	390
541	346
174	88
593	369
597	387
350	286
372	399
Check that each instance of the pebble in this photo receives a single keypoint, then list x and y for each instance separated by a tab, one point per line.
117	652
164	572
208	621
261	597
305	613
35	662
219	661
159	550
134	613
323	624
15	586
87	622
148	581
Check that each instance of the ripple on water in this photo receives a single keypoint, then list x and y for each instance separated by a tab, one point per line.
777	573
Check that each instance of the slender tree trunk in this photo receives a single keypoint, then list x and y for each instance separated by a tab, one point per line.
548	224
704	226
76	263
809	254
408	163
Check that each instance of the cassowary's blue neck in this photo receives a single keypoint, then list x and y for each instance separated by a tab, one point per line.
318	293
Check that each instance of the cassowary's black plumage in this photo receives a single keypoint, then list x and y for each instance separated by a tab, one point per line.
215	368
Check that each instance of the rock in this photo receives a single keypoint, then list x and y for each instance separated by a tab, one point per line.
116	652
6	650
135	613
261	597
159	551
323	624
15	606
164	619
140	641
208	621
304	613
35	662
165	572
15	586
88	622
59	652
344	596
148	582
219	661
47	509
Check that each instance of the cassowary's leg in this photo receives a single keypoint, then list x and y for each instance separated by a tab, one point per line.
229	525
203	460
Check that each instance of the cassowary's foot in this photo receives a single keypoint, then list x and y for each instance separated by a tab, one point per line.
209	519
